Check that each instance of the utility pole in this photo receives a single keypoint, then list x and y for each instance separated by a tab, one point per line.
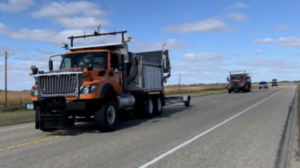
6	56
179	82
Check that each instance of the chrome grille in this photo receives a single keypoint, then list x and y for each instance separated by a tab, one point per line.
59	84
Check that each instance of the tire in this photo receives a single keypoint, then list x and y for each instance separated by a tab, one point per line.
229	91
148	108
105	118
48	129
187	104
158	107
37	119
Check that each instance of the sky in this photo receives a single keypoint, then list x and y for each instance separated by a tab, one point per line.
205	39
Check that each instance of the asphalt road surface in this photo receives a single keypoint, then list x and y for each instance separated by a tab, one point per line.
226	130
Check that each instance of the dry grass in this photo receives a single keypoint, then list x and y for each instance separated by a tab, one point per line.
20	98
16	117
298	122
16	98
190	89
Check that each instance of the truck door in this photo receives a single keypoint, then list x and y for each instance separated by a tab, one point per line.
116	77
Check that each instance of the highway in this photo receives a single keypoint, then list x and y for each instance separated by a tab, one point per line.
225	130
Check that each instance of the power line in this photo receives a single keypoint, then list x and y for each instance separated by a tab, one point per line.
6	56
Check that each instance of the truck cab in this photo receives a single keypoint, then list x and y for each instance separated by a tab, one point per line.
239	81
274	82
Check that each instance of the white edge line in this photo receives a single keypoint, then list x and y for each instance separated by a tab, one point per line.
17	127
205	132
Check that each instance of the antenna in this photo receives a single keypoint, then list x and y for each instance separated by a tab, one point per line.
99	28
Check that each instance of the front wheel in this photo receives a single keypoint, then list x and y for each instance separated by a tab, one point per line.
229	91
37	119
105	118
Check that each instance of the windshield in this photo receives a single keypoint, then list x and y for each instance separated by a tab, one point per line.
98	59
236	77
263	83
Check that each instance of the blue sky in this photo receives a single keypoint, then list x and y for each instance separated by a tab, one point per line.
206	39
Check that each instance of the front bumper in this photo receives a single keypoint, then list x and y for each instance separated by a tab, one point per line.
55	113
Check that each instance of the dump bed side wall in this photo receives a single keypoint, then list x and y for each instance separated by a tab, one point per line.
150	72
152	77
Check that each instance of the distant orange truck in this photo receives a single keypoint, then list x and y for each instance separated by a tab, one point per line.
239	81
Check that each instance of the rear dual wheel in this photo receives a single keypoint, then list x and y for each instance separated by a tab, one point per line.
158	108
152	106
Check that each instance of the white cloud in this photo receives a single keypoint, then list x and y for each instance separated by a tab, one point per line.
259	52
205	57
238	5
206	26
3	28
238	54
16	5
284	41
265	40
12	49
172	44
236	16
206	71
80	22
59	9
289	42
53	37
282	27
273	64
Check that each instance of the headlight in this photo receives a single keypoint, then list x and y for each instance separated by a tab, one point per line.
87	89
34	92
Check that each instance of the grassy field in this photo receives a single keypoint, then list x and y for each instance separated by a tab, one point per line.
298	123
16	117
20	98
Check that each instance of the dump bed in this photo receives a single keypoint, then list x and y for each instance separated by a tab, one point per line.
151	71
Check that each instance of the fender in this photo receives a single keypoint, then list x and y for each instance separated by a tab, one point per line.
106	88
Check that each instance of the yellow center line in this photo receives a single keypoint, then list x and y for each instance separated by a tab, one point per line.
29	143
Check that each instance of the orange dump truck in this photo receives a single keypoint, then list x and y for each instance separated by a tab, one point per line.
96	83
239	81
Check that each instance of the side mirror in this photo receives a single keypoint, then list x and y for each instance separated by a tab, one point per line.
111	72
50	65
81	65
227	79
90	67
34	69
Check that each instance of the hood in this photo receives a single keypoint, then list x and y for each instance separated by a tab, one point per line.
64	70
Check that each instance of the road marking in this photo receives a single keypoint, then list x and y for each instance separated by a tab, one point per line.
203	133
18	127
29	143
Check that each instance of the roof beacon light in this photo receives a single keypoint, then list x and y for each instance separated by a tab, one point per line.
128	39
64	46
